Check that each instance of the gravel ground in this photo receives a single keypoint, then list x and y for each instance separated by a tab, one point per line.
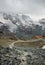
22	56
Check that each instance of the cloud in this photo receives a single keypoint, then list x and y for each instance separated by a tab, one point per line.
32	7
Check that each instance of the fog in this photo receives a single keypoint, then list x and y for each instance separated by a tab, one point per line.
35	8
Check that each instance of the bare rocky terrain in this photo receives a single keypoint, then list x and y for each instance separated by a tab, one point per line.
21	56
21	41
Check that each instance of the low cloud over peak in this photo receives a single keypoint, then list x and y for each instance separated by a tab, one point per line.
35	8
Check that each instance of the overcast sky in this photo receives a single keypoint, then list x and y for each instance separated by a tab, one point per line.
35	8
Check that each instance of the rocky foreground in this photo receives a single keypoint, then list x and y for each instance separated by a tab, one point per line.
22	56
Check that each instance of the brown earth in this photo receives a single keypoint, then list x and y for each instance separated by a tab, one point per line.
37	37
37	41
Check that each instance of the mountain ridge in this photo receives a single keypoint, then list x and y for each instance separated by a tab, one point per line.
21	25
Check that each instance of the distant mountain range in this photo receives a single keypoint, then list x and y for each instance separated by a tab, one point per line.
20	26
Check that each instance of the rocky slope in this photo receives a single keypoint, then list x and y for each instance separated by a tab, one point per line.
22	56
6	34
21	26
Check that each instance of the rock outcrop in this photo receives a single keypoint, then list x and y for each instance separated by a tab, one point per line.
22	56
